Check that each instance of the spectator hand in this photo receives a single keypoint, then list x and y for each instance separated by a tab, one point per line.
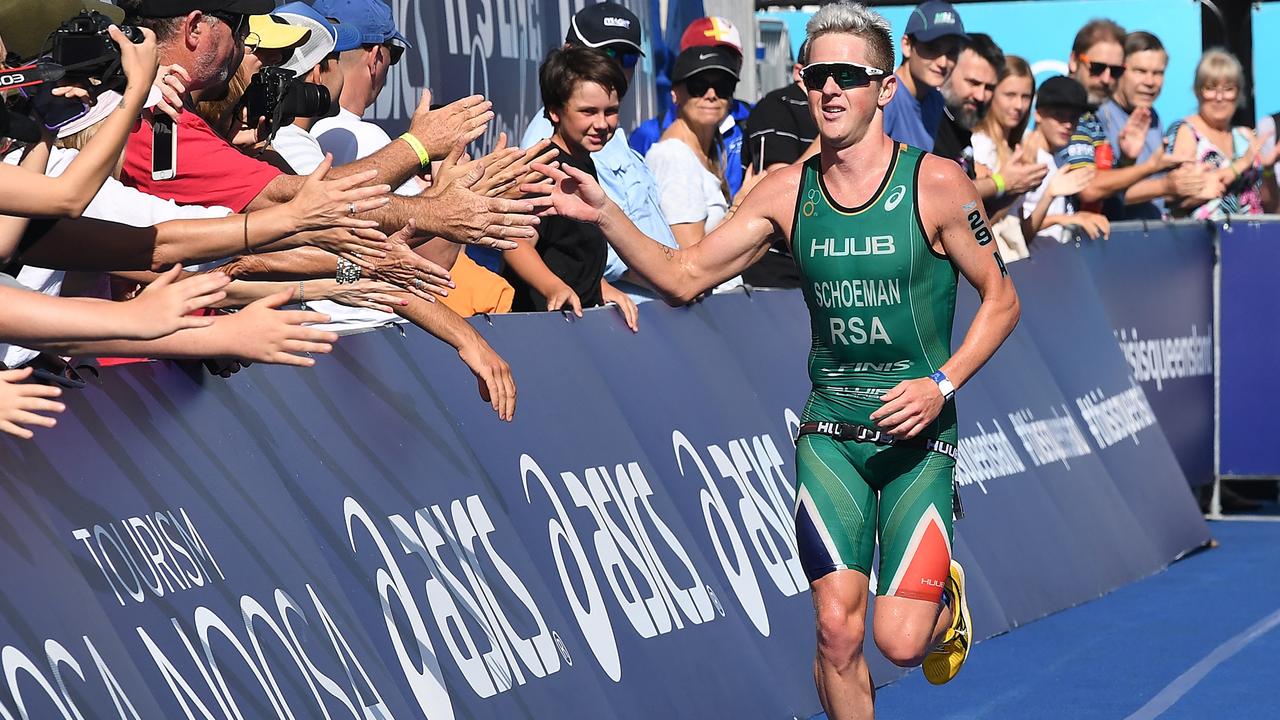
909	408
1071	181
1161	160
324	203
139	61
1269	158
361	246
1021	175
458	123
404	268
466	217
494	375
165	306
506	169
21	403
1133	136
262	333
573	193
171	80
380	296
561	296
1094	225
626	306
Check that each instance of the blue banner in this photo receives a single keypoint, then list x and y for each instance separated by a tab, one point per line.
1156	283
1248	296
365	538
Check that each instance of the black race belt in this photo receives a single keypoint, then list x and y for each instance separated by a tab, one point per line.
863	434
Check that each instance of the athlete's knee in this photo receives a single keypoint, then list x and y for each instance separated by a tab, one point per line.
841	619
840	636
902	644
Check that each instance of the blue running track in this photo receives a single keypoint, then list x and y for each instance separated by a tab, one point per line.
1196	641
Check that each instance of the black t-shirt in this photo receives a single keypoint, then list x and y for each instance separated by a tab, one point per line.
575	252
781	125
954	141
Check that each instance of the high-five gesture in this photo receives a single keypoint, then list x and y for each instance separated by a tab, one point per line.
461	121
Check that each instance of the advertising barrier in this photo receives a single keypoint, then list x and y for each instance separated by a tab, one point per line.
1248	298
364	539
1155	282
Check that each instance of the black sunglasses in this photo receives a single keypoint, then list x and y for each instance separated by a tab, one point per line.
627	59
846	75
1097	68
394	51
235	21
724	85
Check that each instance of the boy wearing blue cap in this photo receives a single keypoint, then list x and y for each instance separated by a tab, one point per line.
930	47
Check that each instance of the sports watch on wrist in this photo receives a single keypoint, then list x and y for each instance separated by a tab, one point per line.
944	385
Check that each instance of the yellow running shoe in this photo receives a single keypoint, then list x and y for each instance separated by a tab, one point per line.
946	660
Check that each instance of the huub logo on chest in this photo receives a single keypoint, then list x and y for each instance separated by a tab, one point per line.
841	247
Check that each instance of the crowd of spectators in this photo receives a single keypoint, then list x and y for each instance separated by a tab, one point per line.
196	180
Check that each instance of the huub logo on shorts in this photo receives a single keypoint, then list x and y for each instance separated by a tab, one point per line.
895	197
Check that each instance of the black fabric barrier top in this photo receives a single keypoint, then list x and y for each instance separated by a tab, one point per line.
364	539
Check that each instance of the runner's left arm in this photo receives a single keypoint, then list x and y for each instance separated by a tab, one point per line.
957	225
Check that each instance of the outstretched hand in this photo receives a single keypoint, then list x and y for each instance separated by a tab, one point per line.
572	192
322	203
493	374
407	269
165	306
21	403
263	333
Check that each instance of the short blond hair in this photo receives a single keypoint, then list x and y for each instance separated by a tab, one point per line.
1216	66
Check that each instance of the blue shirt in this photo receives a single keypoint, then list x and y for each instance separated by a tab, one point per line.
627	181
1113	119
650	131
911	121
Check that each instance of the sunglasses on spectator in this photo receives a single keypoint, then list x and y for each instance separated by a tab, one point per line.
847	75
627	59
698	85
395	51
1097	68
235	21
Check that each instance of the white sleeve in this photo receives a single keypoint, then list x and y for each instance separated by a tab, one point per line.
679	176
299	149
984	150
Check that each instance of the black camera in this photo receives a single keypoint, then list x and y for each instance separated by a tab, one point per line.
82	46
280	97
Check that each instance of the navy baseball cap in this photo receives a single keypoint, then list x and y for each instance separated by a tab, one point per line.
371	18
602	24
934	19
1063	92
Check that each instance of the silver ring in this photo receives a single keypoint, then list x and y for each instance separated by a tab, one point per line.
351	208
420	283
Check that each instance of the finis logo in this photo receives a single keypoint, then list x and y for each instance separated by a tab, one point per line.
895	197
617	22
945	17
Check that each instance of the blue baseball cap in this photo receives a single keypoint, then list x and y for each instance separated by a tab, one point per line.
934	19
370	18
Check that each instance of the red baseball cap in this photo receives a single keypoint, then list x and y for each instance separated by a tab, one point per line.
712	31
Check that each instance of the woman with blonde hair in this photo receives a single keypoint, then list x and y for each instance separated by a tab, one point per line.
997	141
1235	153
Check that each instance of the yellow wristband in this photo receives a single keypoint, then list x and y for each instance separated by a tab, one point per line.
998	179
424	158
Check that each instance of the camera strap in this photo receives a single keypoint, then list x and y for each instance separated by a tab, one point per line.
29	75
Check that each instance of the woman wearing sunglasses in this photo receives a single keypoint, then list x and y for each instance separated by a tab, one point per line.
692	187
880	232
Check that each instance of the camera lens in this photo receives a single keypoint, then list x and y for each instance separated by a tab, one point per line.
304	99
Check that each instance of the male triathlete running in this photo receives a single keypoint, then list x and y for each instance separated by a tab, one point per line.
879	231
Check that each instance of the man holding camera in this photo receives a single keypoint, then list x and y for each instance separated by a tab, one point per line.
206	39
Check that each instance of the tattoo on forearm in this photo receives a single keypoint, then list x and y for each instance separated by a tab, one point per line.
979	226
669	252
1004	271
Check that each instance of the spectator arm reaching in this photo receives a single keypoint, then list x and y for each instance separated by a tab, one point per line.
530	267
21	403
39	321
1117	180
69	194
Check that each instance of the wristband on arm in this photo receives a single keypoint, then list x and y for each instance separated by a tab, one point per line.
424	158
998	179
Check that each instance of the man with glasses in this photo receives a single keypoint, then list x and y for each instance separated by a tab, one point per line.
205	39
364	74
930	48
1097	63
615	30
879	231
